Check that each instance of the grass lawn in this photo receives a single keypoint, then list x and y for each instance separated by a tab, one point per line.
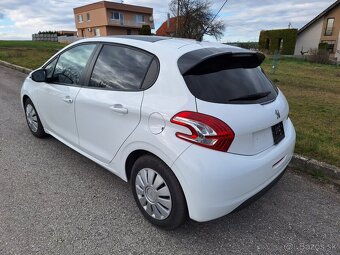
313	92
28	53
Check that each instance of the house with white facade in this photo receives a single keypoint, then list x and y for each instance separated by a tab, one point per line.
325	28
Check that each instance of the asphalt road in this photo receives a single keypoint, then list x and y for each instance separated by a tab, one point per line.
55	201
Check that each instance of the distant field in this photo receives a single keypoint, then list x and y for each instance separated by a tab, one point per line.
313	93
28	53
312	90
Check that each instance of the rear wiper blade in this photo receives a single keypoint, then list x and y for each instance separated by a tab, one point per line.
252	96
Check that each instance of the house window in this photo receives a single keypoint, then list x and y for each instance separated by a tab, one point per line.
329	27
330	46
139	18
115	15
96	31
88	16
80	18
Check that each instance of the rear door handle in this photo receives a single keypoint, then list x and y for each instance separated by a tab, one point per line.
119	108
68	100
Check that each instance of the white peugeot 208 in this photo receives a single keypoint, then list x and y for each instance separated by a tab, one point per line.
196	128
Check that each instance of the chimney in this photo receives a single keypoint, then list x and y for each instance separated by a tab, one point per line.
168	21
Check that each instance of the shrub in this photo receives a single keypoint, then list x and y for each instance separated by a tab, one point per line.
320	56
145	30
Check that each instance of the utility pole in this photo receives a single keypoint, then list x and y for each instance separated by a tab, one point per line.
177	19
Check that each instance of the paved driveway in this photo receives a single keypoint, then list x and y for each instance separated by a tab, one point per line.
55	201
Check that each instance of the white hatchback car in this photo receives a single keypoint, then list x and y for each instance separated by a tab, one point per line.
197	128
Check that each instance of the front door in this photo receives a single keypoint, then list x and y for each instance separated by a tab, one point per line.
57	96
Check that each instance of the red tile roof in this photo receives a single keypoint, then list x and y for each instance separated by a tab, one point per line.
164	30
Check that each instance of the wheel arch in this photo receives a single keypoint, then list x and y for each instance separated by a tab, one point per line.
131	159
24	98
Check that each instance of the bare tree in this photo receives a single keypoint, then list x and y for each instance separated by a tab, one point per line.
195	19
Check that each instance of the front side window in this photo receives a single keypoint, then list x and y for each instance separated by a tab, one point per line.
329	27
80	18
120	68
71	65
88	16
50	68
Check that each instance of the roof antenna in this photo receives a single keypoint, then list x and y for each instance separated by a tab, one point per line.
205	30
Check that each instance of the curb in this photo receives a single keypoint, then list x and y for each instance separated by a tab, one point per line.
312	166
298	162
15	67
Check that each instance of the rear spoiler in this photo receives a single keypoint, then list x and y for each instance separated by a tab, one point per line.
215	59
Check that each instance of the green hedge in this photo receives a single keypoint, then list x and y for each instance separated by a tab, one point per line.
270	41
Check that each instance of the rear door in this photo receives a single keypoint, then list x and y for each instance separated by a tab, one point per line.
233	88
108	109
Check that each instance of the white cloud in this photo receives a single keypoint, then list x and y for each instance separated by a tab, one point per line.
243	18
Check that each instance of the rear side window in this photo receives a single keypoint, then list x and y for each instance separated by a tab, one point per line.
120	68
229	79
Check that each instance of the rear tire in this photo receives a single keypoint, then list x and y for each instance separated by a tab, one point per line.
157	192
33	120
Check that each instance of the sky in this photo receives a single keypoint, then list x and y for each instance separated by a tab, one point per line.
244	19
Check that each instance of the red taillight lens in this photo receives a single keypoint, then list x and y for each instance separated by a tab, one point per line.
206	131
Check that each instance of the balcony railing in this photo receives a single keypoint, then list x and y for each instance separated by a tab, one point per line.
128	23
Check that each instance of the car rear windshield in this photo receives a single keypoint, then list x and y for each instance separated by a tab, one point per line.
230	79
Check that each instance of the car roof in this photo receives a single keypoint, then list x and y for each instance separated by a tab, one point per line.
150	42
145	38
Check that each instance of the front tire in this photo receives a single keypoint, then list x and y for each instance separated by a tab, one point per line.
158	193
33	120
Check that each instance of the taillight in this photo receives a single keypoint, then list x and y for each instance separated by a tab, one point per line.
206	131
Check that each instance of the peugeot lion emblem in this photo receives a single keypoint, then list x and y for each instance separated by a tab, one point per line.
277	112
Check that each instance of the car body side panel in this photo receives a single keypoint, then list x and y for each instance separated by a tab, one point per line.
102	128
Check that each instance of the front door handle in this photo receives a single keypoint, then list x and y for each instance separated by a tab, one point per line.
68	100
119	108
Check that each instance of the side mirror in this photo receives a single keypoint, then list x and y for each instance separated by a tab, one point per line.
39	75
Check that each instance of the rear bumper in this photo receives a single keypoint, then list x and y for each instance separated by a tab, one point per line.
215	183
260	193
